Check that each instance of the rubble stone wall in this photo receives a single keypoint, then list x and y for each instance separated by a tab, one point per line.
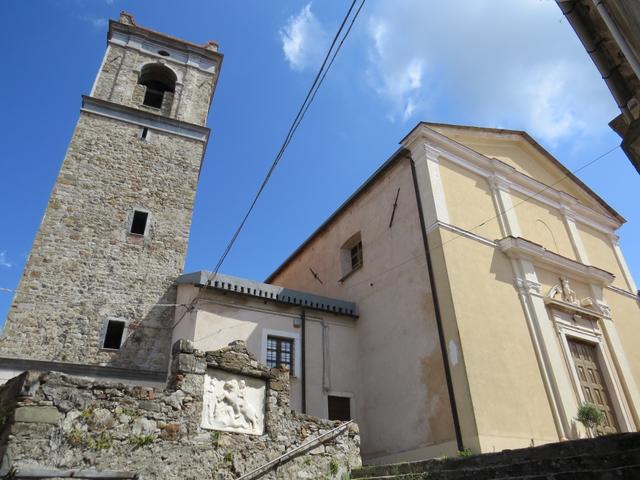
62	423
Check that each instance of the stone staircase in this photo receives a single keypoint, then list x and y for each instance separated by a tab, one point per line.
611	457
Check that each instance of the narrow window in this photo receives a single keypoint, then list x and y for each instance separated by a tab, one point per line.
339	408
356	256
113	335
139	222
144	133
280	352
351	255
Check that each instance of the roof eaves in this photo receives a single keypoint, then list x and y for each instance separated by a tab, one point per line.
399	153
265	291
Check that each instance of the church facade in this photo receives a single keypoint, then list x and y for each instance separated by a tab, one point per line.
471	294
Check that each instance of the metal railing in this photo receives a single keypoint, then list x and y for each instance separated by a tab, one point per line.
288	455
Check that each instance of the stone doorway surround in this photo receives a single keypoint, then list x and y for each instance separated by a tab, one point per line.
550	322
585	327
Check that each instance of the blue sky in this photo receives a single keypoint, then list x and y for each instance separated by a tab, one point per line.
495	63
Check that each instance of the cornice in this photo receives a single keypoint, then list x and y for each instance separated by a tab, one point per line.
143	118
460	232
572	309
620	291
208	51
516	247
508	177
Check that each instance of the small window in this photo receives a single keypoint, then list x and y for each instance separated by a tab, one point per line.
113	335
339	408
351	255
280	352
144	133
356	256
139	222
164	53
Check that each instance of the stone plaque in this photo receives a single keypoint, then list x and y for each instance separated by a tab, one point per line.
233	403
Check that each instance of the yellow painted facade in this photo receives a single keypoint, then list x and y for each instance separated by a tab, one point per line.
473	301
501	249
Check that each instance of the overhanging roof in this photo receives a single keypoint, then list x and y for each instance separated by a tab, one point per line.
266	291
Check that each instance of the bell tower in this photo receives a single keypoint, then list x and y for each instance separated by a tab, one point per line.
98	288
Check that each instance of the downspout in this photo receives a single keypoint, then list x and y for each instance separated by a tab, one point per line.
303	359
436	306
610	75
617	35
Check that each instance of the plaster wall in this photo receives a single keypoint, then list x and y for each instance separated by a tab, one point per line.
469	200
510	404
601	253
404	405
332	363
625	312
518	153
543	225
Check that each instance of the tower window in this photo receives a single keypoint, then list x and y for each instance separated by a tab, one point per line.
139	222
158	79
114	334
144	133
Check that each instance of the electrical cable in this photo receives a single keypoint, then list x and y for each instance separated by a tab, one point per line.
302	111
317	82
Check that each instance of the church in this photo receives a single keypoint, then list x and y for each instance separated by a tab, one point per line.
471	294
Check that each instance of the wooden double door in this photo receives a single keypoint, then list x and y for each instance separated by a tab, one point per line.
594	388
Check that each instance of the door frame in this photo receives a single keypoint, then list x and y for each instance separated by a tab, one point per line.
572	330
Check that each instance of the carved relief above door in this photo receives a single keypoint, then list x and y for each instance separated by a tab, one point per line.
592	384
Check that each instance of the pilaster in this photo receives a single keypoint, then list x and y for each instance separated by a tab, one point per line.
562	397
623	264
569	217
622	365
427	164
505	210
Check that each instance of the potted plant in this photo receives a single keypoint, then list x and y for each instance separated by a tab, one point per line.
591	417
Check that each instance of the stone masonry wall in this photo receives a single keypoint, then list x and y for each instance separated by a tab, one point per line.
85	267
60	423
118	81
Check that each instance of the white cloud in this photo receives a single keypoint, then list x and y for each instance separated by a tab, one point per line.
4	262
487	62
303	39
98	23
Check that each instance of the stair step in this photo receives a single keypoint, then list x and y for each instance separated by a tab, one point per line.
605	448
618	473
534	466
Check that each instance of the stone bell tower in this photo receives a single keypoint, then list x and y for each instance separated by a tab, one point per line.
98	287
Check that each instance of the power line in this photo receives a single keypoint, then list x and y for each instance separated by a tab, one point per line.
317	82
432	249
311	94
500	213
530	197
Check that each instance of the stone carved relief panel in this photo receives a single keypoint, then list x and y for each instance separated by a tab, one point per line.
233	403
